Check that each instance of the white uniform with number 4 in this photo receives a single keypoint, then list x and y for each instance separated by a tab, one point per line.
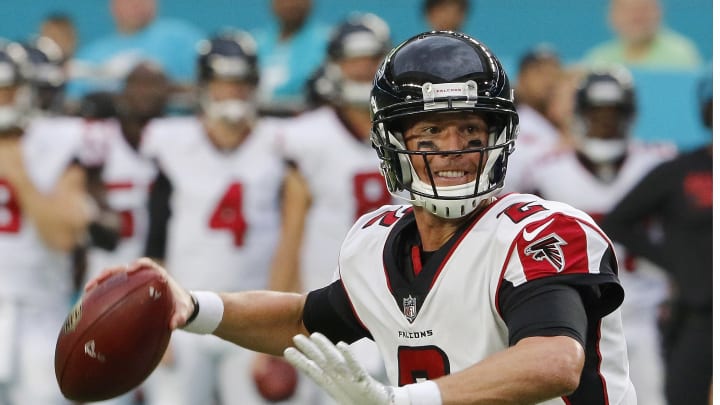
221	236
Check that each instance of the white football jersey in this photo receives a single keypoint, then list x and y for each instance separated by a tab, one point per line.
448	320
127	177
224	205
345	182
29	270
562	177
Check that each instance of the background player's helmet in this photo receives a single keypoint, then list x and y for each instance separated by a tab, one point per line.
230	56
436	72
359	35
14	112
605	87
43	70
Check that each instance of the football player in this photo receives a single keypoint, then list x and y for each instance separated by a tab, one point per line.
470	298
119	177
594	177
43	214
215	214
678	194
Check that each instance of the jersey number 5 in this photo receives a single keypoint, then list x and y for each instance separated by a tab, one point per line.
419	363
9	209
228	214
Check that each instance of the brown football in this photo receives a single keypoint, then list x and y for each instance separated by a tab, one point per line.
114	337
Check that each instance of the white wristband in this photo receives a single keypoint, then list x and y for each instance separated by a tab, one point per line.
424	393
210	312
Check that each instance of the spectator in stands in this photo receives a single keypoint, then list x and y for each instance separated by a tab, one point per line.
60	28
289	52
139	35
642	40
446	14
678	194
539	72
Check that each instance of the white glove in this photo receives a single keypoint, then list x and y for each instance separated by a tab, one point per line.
336	370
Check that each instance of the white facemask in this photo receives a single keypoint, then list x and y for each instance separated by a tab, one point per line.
231	111
603	150
10	117
356	93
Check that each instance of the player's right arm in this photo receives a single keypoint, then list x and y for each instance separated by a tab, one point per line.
263	321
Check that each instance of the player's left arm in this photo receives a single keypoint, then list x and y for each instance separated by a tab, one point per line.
60	216
295	203
547	326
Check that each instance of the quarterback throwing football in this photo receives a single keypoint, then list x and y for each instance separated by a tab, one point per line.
470	298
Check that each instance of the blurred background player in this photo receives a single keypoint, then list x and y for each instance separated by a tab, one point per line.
46	75
539	73
215	215
43	215
139	35
445	14
290	49
642	40
330	150
678	194
119	178
604	166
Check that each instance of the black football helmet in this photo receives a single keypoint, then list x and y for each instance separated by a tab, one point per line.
609	86
605	138
229	55
440	72
359	35
15	113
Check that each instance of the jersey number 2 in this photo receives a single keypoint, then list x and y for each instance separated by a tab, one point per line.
9	209
419	363
228	214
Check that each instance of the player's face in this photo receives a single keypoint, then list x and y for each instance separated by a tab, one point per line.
447	132
605	122
222	89
7	95
359	69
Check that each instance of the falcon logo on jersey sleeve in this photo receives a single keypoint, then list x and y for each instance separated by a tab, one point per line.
548	248
557	244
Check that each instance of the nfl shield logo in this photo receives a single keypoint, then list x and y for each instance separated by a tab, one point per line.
409	308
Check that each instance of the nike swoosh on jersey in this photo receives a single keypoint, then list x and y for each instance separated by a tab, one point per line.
528	236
